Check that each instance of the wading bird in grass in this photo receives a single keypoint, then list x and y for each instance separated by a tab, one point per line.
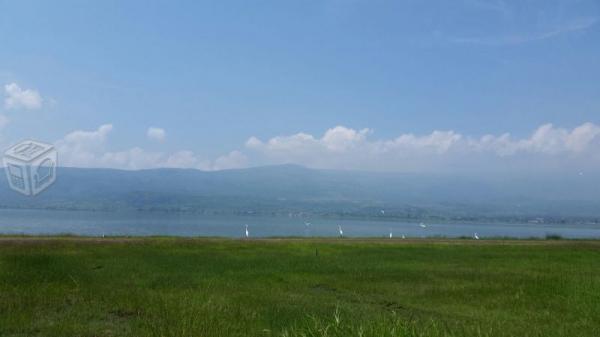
247	234
340	231
475	236
307	228
403	237
391	234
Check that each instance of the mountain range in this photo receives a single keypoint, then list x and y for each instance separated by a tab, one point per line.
295	189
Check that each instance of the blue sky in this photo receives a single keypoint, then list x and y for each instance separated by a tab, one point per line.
261	82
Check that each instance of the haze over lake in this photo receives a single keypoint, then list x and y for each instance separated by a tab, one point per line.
143	223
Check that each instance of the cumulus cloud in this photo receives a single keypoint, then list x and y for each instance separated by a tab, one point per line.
341	139
16	98
235	159
342	147
156	134
88	139
88	148
81	148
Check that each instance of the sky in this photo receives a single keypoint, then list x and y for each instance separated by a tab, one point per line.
436	86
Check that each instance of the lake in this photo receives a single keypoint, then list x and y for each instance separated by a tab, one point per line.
88	223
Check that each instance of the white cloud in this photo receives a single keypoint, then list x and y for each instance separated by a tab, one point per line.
89	149
156	134
21	98
235	159
81	148
87	140
341	139
342	147
436	142
183	159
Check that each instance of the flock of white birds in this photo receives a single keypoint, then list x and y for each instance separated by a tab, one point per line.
341	231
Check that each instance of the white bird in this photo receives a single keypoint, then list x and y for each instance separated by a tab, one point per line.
382	211
247	234
422	225
340	231
475	236
391	234
307	228
404	237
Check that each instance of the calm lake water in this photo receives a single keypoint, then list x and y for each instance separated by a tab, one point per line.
158	223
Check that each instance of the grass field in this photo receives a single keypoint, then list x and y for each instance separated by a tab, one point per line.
212	287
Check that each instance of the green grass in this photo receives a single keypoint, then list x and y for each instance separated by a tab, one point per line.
211	287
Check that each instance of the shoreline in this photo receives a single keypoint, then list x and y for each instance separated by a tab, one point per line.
327	240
